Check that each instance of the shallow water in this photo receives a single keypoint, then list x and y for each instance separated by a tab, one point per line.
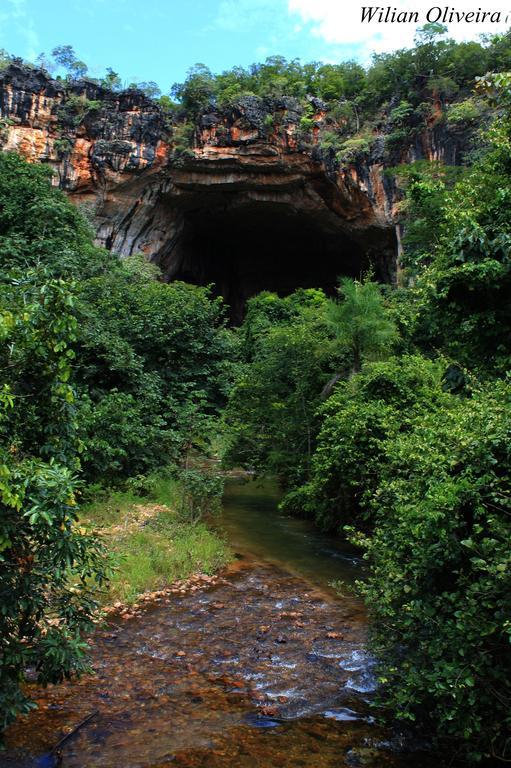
265	669
255	528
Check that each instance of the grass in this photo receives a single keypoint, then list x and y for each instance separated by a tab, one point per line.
151	544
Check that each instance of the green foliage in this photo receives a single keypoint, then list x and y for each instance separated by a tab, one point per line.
111	80
5	59
401	114
62	147
357	423
197	90
466	288
65	57
271	410
5	124
76	107
50	569
39	328
269	124
183	135
413	452
306	124
38	224
148	87
167	104
442	87
120	373
360	323
496	87
464	113
152	368
439	588
398	139
114	374
353	149
425	184
436	65
153	533
201	493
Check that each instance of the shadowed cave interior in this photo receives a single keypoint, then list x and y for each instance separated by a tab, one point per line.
247	249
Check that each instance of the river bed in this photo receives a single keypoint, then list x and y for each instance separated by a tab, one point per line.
267	668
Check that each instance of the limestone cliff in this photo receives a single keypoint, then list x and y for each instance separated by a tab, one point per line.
251	203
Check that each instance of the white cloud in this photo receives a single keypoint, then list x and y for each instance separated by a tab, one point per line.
338	22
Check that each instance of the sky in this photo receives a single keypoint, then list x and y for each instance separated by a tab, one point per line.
160	39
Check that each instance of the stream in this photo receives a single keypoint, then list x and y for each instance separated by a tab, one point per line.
266	668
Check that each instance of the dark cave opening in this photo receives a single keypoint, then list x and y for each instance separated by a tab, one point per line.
260	247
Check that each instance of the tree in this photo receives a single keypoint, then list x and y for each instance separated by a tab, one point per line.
112	80
44	62
198	89
429	33
356	425
271	413
30	206
106	375
439	584
423	209
148	353
360	322
148	87
50	568
465	290
65	57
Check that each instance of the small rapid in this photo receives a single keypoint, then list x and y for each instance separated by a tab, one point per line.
265	668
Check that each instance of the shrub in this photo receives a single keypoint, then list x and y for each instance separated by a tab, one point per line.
357	423
50	568
353	149
464	113
182	139
439	587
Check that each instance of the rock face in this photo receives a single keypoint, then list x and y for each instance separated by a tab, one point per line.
250	205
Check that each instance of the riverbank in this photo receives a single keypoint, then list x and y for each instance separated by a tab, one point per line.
154	544
262	665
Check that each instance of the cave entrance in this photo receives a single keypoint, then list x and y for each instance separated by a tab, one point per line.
248	249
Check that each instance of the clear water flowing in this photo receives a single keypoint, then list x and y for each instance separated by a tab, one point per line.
265	669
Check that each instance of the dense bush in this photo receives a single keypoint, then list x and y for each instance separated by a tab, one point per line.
295	350
145	351
413	452
50	568
361	418
439	589
152	364
465	290
39	226
271	414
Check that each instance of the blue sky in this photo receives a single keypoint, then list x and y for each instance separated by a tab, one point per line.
159	39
